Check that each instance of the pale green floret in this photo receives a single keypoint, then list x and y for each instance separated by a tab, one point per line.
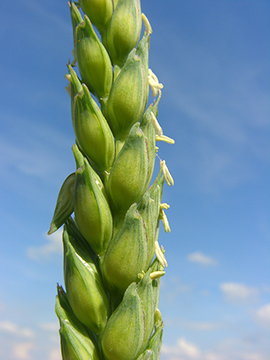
91	209
85	292
153	348
123	336
127	253
93	60
129	93
124	30
129	178
98	11
130	326
76	19
75	346
92	131
76	342
64	204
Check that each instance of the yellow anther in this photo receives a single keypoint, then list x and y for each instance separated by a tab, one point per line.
156	274
168	177
154	83
157	127
165	221
164	138
160	256
164	206
147	25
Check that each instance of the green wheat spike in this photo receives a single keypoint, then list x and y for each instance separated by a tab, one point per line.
109	308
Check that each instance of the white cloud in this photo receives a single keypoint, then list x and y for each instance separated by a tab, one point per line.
9	327
202	259
51	329
253	356
50	326
21	351
202	326
239	293
182	350
263	315
54	354
45	252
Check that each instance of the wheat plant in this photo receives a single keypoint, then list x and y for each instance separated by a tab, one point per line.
112	259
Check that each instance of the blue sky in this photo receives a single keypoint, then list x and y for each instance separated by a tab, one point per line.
213	58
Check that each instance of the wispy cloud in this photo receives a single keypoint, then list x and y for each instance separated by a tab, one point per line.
202	259
9	327
22	351
181	351
54	354
47	251
227	350
238	293
50	326
198	326
22	343
202	326
263	315
50	330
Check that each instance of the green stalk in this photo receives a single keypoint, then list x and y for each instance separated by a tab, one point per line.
112	259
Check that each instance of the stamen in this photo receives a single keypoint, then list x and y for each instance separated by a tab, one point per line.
157	127
147	25
153	76
164	138
164	206
164	220
154	83
160	256
168	177
156	274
